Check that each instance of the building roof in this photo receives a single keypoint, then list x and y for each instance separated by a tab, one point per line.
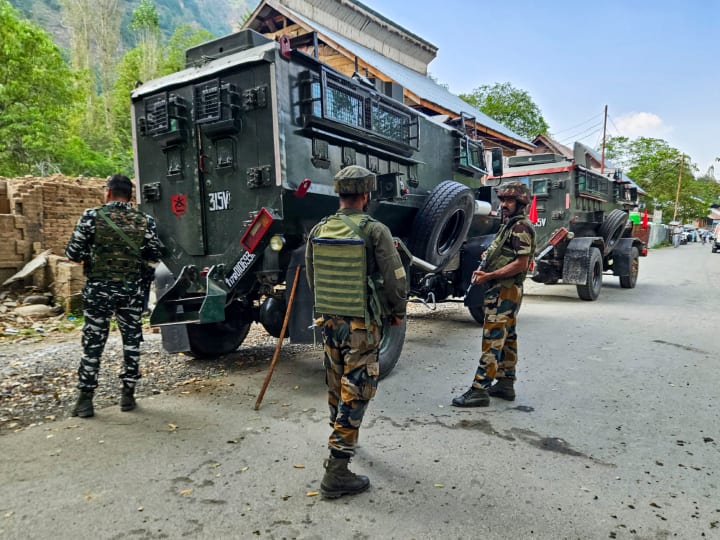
353	20
410	79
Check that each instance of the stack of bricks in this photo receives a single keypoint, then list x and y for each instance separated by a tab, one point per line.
41	213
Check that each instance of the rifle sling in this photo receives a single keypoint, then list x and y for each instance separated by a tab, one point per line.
114	227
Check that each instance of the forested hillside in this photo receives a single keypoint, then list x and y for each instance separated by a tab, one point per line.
67	68
219	17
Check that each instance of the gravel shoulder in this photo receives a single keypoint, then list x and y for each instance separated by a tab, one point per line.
38	374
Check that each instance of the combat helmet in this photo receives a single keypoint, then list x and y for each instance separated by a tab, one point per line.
354	179
514	190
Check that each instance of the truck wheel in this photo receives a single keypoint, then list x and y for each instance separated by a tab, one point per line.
612	228
442	224
216	339
591	290
478	313
628	282
391	345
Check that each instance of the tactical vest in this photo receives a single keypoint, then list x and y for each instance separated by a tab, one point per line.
340	263
500	253
111	257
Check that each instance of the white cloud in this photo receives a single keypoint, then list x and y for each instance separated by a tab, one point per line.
641	124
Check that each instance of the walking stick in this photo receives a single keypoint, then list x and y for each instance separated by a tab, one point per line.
280	340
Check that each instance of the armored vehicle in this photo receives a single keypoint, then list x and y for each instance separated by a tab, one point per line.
235	157
582	223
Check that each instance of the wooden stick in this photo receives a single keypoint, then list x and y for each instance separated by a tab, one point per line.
280	340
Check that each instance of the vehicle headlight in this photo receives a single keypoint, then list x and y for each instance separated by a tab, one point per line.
277	242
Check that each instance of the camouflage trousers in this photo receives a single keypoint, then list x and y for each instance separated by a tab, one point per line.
499	344
351	375
102	300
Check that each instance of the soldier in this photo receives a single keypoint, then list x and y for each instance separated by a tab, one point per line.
115	243
359	283
504	267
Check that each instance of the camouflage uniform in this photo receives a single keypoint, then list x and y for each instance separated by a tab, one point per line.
351	348
351	358
113	284
501	305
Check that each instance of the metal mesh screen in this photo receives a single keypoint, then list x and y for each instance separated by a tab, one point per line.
343	105
390	123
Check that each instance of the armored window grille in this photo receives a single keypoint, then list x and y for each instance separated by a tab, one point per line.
329	96
157	119
342	104
390	123
207	102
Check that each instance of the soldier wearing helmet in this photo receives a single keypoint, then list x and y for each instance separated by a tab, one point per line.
503	269
359	284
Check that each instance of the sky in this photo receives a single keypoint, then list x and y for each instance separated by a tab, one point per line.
655	64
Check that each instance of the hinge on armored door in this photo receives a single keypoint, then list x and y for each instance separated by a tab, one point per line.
348	156
258	176
254	98
320	154
151	192
557	214
558	184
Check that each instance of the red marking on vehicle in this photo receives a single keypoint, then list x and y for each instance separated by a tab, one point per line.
302	189
178	204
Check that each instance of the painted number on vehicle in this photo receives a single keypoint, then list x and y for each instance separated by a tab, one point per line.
541	222
219	200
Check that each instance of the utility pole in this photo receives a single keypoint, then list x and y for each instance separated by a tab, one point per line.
677	195
602	158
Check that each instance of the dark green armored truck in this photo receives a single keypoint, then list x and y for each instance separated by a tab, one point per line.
582	227
235	157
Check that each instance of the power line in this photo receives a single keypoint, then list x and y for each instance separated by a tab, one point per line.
582	134
577	125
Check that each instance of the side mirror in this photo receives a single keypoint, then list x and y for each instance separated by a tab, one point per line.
496	161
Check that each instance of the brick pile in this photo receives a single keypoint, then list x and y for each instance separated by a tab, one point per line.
37	214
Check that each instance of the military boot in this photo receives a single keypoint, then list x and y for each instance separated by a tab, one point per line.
127	399
84	405
504	389
475	397
339	480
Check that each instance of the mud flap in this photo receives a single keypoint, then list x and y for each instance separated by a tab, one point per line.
174	337
576	262
622	256
303	313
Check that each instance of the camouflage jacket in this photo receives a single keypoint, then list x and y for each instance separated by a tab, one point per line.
82	245
516	238
382	258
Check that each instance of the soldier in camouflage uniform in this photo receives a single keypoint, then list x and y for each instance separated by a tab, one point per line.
351	342
116	244
503	270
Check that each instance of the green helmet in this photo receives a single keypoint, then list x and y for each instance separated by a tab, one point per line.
354	179
514	190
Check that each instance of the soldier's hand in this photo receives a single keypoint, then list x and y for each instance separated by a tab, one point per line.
395	320
478	277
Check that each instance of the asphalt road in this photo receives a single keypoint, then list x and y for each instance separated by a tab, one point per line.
614	434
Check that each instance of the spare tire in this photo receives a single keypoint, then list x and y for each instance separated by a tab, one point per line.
612	228
442	224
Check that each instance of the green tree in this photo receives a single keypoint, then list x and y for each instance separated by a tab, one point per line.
38	100
512	107
146	25
128	74
659	168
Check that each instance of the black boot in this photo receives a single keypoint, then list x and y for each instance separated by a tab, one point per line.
475	397
339	481
504	389
127	399
84	405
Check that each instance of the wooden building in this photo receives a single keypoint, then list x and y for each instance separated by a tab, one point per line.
353	38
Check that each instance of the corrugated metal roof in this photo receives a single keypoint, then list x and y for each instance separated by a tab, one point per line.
423	86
